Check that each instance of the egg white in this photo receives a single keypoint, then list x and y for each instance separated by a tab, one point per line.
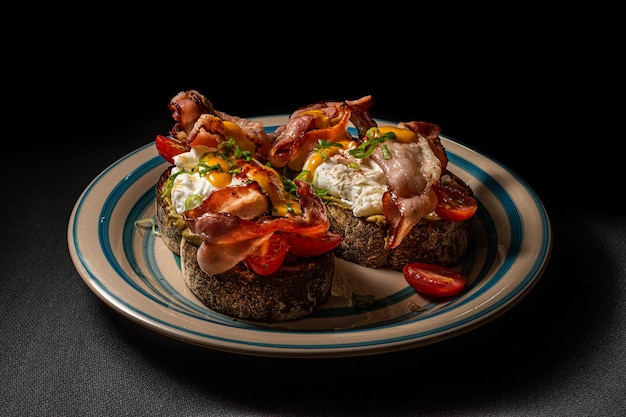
187	184
361	189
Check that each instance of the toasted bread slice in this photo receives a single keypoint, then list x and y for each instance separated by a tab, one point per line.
299	287
437	241
293	292
170	225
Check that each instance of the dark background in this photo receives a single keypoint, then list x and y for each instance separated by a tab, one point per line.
542	99
543	103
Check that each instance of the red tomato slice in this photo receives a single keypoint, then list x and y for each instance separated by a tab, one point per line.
454	205
268	257
169	147
306	246
434	280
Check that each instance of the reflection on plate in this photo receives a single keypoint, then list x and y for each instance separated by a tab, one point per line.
134	273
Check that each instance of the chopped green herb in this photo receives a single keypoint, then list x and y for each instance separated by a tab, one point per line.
374	138
170	184
385	150
321	144
320	192
193	201
354	166
203	168
302	174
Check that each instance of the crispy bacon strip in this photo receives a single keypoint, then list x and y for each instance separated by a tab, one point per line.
246	201
431	132
255	132
216	258
196	117
208	130
186	107
360	115
225	227
293	141
301	134
411	172
235	237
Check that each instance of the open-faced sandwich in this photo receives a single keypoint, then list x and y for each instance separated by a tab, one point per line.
388	191
253	244
257	218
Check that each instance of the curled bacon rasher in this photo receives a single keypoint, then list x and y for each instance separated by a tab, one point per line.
302	132
326	121
228	238
360	115
246	201
431	132
411	172
197	120
186	108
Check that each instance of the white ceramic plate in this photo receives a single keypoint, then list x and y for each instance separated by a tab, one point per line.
133	272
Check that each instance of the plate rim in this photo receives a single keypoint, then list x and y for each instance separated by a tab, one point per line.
92	281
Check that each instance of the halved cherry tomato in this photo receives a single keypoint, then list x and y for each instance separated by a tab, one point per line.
306	246
169	147
454	205
268	257
434	280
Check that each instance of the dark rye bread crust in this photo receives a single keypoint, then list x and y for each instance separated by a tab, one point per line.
431	241
297	289
170	233
293	292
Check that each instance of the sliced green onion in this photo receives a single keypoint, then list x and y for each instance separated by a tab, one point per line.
204	168
374	138
354	166
385	150
321	144
170	184
320	192
302	174
226	147
193	201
